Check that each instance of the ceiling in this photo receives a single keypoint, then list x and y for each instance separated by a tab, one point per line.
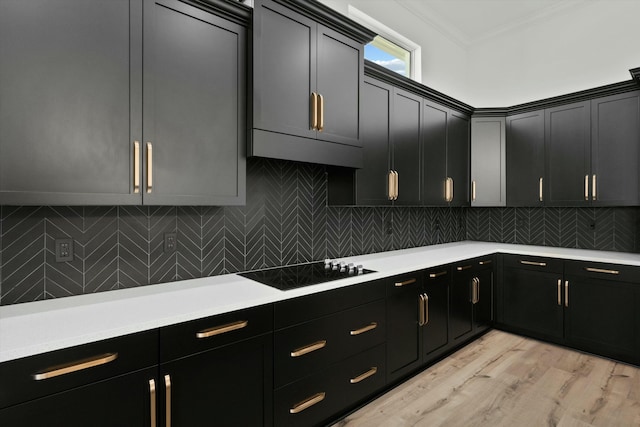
467	22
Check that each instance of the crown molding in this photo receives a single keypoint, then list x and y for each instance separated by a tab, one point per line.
635	73
231	10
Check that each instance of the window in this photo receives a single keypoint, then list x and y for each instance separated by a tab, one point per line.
390	49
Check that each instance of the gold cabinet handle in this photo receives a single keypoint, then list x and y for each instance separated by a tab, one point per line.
593	187
217	330
396	186
426	309
487	262
370	327
320	113
152	402
307	403
559	291
463	267
453	192
566	293
314	111
473	191
149	167
405	283
76	366
167	403
390	185
540	190
136	167
537	264
601	270
421	310
586	187
371	372
475	295
308	348
438	274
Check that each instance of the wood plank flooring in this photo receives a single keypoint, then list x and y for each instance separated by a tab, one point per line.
507	380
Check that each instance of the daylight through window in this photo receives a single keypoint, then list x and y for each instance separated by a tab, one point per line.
389	55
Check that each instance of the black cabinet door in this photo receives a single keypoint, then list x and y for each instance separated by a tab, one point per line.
194	108
458	157
125	400
228	386
460	306
532	302
525	159
615	149
284	69
371	181
70	82
339	82
406	128
567	155
601	316
403	330
436	328
434	154
483	306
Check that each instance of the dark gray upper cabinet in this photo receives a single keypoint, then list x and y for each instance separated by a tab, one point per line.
525	159
567	155
307	83
70	86
458	158
406	130
434	154
194	106
615	149
72	130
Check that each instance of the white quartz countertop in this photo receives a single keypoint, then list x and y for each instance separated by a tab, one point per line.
38	327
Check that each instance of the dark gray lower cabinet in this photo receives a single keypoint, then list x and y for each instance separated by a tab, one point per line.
471	298
435	320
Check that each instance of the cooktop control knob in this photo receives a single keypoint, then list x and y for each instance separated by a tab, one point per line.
327	263
360	269
352	268
343	267
335	265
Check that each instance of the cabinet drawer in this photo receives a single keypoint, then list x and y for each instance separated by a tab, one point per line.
315	399
203	334
613	272
305	348
309	307
48	373
525	262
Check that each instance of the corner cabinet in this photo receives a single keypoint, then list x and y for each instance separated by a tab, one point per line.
488	181
102	123
307	83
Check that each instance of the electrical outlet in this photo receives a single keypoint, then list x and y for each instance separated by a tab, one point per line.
170	242
64	250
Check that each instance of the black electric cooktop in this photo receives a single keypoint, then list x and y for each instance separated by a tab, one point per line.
298	276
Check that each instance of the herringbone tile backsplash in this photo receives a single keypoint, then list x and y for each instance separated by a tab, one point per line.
285	221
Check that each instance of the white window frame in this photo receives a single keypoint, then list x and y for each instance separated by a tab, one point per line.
415	66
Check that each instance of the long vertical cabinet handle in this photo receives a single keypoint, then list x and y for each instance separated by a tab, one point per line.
593	187
167	386
390	185
421	310
426	308
586	187
453	193
136	167
566	293
397	186
560	292
152	402
473	191
149	167
320	113
540	190
314	111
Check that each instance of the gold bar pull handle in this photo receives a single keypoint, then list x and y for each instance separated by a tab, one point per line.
593	187
487	262
308	348
397	185
223	329
438	274
477	290
390	185
314	111
464	267
537	264
586	187
447	191
421	310
76	366
566	293
136	167
149	167
473	191
540	190
560	292
307	403
167	403
405	283
601	270
152	402
426	309
371	372
370	327
452	190
320	113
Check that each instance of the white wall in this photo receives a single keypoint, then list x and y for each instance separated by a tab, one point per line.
444	63
591	45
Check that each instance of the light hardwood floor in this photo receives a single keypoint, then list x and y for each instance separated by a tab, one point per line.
507	380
